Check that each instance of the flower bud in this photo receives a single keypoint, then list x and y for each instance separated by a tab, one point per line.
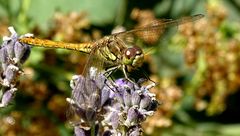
10	48
7	97
133	116
135	131
105	95
79	131
114	119
145	101
22	52
3	55
127	98
135	98
11	75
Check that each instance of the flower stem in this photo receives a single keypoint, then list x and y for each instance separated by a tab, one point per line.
93	130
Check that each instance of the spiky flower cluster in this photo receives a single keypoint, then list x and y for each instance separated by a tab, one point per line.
12	55
112	108
213	51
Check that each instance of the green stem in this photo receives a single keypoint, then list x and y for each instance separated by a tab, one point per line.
22	18
93	130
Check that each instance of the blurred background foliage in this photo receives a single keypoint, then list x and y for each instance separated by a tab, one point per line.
197	66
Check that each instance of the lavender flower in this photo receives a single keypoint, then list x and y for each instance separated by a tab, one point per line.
133	103
118	108
12	55
88	97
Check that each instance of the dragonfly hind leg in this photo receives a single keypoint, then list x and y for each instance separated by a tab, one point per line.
109	71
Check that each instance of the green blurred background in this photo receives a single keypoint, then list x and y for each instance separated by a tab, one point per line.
197	66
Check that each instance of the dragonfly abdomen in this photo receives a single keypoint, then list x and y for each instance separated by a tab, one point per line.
82	47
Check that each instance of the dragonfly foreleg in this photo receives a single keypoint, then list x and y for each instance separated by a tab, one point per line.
125	74
110	70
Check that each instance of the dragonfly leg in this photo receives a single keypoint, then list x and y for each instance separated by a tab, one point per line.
109	71
125	74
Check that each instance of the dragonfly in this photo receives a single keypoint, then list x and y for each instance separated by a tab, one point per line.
112	52
118	50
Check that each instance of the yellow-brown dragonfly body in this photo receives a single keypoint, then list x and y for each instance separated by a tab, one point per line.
117	50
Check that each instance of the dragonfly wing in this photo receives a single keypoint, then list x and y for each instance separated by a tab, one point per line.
153	30
93	68
85	90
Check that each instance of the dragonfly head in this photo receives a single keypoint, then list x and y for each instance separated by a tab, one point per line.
133	57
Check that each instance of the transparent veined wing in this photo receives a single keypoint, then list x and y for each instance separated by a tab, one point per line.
86	94
154	29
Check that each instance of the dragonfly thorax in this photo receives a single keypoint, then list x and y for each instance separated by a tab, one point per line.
110	49
133	57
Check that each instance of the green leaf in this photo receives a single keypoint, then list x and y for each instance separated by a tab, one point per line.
100	12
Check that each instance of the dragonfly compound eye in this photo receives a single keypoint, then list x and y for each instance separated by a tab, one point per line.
134	56
132	52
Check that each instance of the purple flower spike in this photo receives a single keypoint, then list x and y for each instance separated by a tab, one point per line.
118	107
88	97
12	55
131	105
